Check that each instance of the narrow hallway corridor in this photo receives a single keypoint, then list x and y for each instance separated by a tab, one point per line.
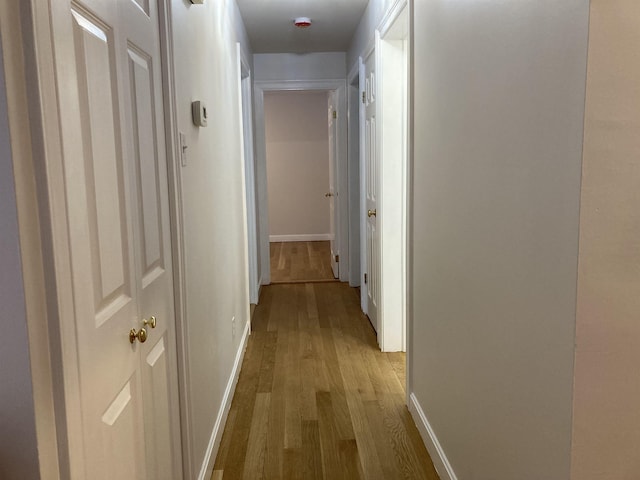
316	398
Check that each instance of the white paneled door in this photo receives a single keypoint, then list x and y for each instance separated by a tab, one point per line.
371	187
108	72
333	189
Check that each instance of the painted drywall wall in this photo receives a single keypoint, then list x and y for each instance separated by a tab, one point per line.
18	443
364	34
206	68
297	141
292	66
498	119
606	430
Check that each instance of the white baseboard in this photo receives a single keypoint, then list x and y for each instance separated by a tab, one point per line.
311	237
216	435
440	461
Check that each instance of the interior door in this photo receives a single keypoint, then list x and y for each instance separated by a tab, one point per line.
372	183
108	68
333	191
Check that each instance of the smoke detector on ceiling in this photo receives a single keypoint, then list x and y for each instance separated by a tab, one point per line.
302	22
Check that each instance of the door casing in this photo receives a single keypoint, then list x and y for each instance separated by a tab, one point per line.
248	162
391	47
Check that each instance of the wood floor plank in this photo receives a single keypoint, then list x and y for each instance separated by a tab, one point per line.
329	438
254	462
311	451
275	438
379	433
416	441
292	469
350	460
398	363
225	443
300	262
336	386
293	399
232	459
316	399
267	365
408	459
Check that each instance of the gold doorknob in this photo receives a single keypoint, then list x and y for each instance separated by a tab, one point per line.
328	194
141	335
151	321
372	213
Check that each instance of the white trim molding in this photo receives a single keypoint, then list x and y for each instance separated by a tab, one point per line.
391	15
307	237
206	470
439	458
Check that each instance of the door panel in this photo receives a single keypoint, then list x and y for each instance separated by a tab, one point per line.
118	211
103	166
119	421
156	396
146	144
371	193
149	178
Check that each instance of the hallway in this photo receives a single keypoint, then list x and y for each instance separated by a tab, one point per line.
316	398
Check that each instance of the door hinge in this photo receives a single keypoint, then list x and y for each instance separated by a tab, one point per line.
337	258
335	114
365	278
364	97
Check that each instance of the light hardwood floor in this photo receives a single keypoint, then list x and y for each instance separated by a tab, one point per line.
316	398
297	262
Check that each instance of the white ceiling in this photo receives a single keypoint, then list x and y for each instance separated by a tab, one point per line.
270	26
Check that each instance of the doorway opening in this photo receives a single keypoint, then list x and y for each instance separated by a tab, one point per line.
301	149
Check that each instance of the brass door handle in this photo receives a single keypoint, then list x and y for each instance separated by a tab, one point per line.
141	336
372	213
151	322
328	194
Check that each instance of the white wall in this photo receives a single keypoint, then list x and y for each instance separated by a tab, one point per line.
297	140
363	36
498	119
18	443
606	429
294	66
206	69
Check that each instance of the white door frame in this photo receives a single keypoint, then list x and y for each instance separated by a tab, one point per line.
355	132
41	199
339	86
391	50
248	161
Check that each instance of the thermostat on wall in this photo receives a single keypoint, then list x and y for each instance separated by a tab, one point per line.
199	112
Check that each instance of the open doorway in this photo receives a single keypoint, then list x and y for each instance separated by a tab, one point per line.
336	191
300	166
